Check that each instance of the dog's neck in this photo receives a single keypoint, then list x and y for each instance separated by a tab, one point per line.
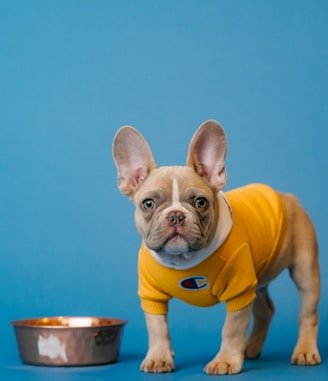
182	262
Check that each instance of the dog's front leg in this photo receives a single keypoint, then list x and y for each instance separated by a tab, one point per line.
159	358
230	358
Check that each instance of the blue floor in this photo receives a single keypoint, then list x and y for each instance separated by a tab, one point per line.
193	350
271	366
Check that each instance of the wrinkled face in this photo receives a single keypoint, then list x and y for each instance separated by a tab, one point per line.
176	212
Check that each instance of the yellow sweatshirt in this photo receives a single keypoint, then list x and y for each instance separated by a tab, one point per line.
230	274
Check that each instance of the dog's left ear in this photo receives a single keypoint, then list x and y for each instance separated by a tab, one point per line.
207	153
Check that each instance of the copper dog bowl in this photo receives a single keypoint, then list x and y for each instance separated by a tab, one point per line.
69	341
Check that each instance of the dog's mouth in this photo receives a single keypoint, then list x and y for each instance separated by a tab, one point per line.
175	245
178	245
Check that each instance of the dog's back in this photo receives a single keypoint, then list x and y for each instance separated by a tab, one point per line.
259	210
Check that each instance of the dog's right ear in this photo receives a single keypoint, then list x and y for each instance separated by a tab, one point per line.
133	159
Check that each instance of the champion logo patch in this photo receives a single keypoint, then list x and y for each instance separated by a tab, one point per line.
194	283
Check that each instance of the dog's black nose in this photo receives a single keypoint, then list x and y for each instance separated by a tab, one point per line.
176	218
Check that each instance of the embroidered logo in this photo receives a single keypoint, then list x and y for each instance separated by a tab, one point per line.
194	283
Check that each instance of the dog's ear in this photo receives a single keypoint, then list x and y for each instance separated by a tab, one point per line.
207	153
133	159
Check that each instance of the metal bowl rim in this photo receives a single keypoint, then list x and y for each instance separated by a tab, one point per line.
31	322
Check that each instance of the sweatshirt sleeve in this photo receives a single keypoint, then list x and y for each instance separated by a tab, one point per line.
236	283
153	299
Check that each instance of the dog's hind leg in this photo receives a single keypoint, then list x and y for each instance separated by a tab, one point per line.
307	280
304	270
263	310
306	350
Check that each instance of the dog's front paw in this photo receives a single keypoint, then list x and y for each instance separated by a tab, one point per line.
158	363
222	365
306	356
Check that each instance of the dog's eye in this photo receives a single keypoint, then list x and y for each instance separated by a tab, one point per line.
148	203
201	203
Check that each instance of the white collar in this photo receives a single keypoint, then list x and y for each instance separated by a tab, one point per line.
179	262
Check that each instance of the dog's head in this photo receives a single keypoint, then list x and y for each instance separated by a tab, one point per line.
177	207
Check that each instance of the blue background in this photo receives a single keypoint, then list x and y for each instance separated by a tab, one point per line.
71	73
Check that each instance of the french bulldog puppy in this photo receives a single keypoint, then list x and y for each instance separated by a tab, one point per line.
204	246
